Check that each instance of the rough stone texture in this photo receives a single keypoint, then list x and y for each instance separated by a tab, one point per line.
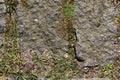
2	25
39	26
95	28
96	31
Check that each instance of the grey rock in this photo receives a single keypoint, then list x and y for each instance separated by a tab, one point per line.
37	21
90	64
95	31
94	23
2	8
1	42
78	49
112	28
39	26
8	78
37	1
1	29
2	25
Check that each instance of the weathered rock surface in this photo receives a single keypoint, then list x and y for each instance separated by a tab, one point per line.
96	31
2	20
95	28
39	26
2	25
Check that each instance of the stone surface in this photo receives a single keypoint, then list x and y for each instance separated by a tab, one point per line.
95	28
2	20
39	26
2	25
96	31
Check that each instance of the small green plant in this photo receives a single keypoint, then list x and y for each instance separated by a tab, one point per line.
106	71
11	62
63	68
72	53
69	9
107	67
118	36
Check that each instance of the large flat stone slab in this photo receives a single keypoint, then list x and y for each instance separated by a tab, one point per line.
96	31
39	26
